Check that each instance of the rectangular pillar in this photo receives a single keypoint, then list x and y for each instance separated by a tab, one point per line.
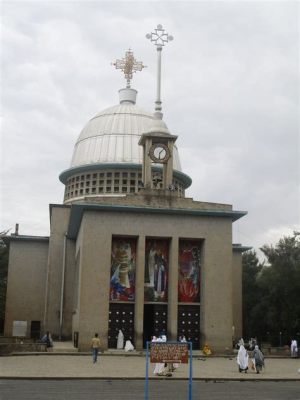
173	289
139	293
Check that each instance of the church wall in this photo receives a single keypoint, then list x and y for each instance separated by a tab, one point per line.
58	228
237	294
216	300
94	278
26	283
69	289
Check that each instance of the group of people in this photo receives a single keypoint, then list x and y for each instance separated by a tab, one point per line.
256	361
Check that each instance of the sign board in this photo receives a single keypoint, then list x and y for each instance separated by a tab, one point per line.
19	328
169	352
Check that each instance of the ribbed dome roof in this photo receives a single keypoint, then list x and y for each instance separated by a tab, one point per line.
112	136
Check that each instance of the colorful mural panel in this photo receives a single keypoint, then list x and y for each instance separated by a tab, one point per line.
189	271
123	263
156	270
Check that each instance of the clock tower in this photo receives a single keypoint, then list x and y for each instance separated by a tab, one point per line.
158	146
158	143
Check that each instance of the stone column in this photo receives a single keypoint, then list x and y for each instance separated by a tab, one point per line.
173	289
139	293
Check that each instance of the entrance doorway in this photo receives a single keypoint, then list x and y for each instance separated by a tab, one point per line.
121	317
155	320
35	330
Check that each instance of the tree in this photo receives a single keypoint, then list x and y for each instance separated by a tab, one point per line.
4	250
251	271
280	282
271	300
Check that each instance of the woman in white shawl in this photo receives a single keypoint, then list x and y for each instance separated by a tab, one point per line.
242	359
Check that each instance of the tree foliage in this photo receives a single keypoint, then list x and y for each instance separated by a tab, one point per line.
271	300
4	249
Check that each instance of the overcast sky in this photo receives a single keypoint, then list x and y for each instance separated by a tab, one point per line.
230	91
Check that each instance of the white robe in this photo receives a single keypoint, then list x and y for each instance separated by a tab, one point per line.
242	358
120	342
159	367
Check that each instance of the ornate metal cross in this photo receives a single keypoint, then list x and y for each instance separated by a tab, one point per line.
129	66
160	38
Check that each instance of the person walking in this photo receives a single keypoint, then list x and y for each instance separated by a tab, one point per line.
294	348
242	358
258	358
47	338
95	343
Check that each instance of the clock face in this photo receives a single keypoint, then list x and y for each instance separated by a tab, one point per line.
159	153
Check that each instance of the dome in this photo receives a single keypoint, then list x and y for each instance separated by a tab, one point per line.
107	158
112	136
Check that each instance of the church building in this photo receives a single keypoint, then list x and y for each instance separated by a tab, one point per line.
127	249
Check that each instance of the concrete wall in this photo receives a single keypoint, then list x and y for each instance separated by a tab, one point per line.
26	285
237	294
57	242
97	229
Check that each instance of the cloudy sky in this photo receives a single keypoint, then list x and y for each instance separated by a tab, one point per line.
230	90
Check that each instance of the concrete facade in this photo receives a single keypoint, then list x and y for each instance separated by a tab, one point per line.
25	297
72	272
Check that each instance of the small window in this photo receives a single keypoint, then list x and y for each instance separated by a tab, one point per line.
101	175
116	189
108	182
94	176
108	174
132	182
132	174
108	189
124	189
124	181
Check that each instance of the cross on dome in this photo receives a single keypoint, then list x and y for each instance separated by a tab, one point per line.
129	66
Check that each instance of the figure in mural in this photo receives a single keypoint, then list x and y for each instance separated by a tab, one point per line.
156	270
149	270
159	275
122	270
189	272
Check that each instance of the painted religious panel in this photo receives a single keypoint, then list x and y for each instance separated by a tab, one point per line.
189	271
156	270
123	262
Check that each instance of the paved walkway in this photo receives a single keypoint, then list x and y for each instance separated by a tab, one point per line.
133	366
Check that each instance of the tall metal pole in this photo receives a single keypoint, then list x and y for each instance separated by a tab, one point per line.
158	87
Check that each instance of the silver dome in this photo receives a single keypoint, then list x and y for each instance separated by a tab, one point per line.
112	136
